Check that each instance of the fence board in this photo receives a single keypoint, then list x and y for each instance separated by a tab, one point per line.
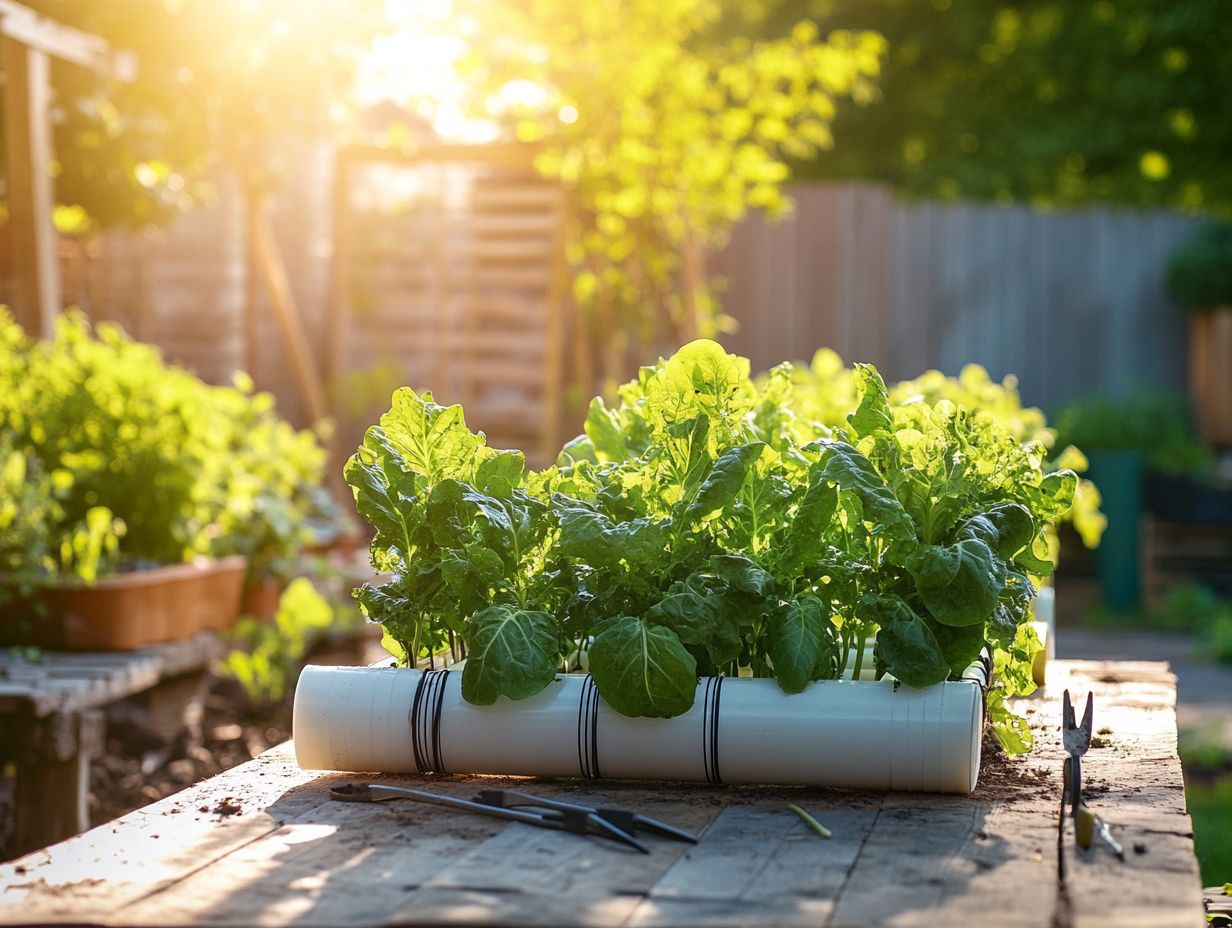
1071	301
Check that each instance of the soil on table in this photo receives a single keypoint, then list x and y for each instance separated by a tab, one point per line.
141	766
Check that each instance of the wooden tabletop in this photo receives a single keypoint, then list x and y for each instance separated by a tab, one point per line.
66	681
264	845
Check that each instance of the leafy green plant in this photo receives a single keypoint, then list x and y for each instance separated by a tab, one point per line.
824	391
1199	272
116	460
269	654
1157	423
701	526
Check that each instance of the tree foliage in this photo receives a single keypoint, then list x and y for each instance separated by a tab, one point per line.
1047	101
213	79
667	133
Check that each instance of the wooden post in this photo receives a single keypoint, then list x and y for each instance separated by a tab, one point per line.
53	779
274	271
27	157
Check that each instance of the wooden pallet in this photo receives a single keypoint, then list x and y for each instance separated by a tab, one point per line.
1176	554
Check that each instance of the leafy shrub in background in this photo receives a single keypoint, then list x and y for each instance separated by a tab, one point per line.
824	391
1199	271
269	654
1157	423
118	460
706	523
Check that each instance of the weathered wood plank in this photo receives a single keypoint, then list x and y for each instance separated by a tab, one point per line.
895	859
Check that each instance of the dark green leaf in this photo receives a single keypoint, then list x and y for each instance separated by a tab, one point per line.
510	652
701	621
643	670
800	642
723	482
960	584
907	647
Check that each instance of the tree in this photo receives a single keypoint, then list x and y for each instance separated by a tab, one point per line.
1047	101
666	133
213	79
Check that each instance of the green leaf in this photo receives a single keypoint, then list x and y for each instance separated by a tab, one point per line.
800	642
906	645
1006	529
510	652
701	621
603	429
852	472
643	670
384	492
873	413
960	646
739	573
498	473
804	537
700	376
960	584
724	481
432	439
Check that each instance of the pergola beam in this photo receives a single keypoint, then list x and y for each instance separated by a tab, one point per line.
28	42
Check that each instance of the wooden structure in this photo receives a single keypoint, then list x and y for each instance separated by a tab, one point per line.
52	723
459	281
1181	554
28	42
263	844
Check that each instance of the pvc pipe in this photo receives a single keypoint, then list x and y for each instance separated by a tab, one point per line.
864	734
1044	606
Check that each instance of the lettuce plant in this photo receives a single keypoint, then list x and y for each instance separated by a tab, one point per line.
704	524
117	460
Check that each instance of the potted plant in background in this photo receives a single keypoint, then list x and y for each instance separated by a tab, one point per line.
130	469
1125	438
1199	279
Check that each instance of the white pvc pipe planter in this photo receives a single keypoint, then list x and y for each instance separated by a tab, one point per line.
863	734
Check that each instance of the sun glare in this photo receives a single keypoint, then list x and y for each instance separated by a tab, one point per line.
413	66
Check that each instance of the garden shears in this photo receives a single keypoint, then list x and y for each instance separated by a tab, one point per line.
563	817
1077	739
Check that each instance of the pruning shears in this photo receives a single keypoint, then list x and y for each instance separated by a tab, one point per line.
1077	739
555	814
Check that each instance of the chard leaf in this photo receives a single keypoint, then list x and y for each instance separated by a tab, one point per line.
852	472
800	642
960	584
960	646
1006	529
433	439
603	429
873	413
593	538
510	652
739	573
803	540
907	647
643	670
724	481
498	473
700	621
384	493
700	377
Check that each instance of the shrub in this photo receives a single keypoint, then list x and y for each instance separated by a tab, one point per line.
1199	271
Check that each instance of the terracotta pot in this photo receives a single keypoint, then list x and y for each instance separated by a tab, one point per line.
261	595
131	610
1210	372
221	589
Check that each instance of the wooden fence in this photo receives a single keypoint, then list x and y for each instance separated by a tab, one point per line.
1071	301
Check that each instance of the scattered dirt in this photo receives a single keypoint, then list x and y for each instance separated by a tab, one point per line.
140	766
1008	778
227	807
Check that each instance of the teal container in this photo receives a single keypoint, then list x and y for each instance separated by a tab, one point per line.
1118	475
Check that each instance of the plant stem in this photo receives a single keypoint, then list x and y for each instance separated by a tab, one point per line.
821	829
